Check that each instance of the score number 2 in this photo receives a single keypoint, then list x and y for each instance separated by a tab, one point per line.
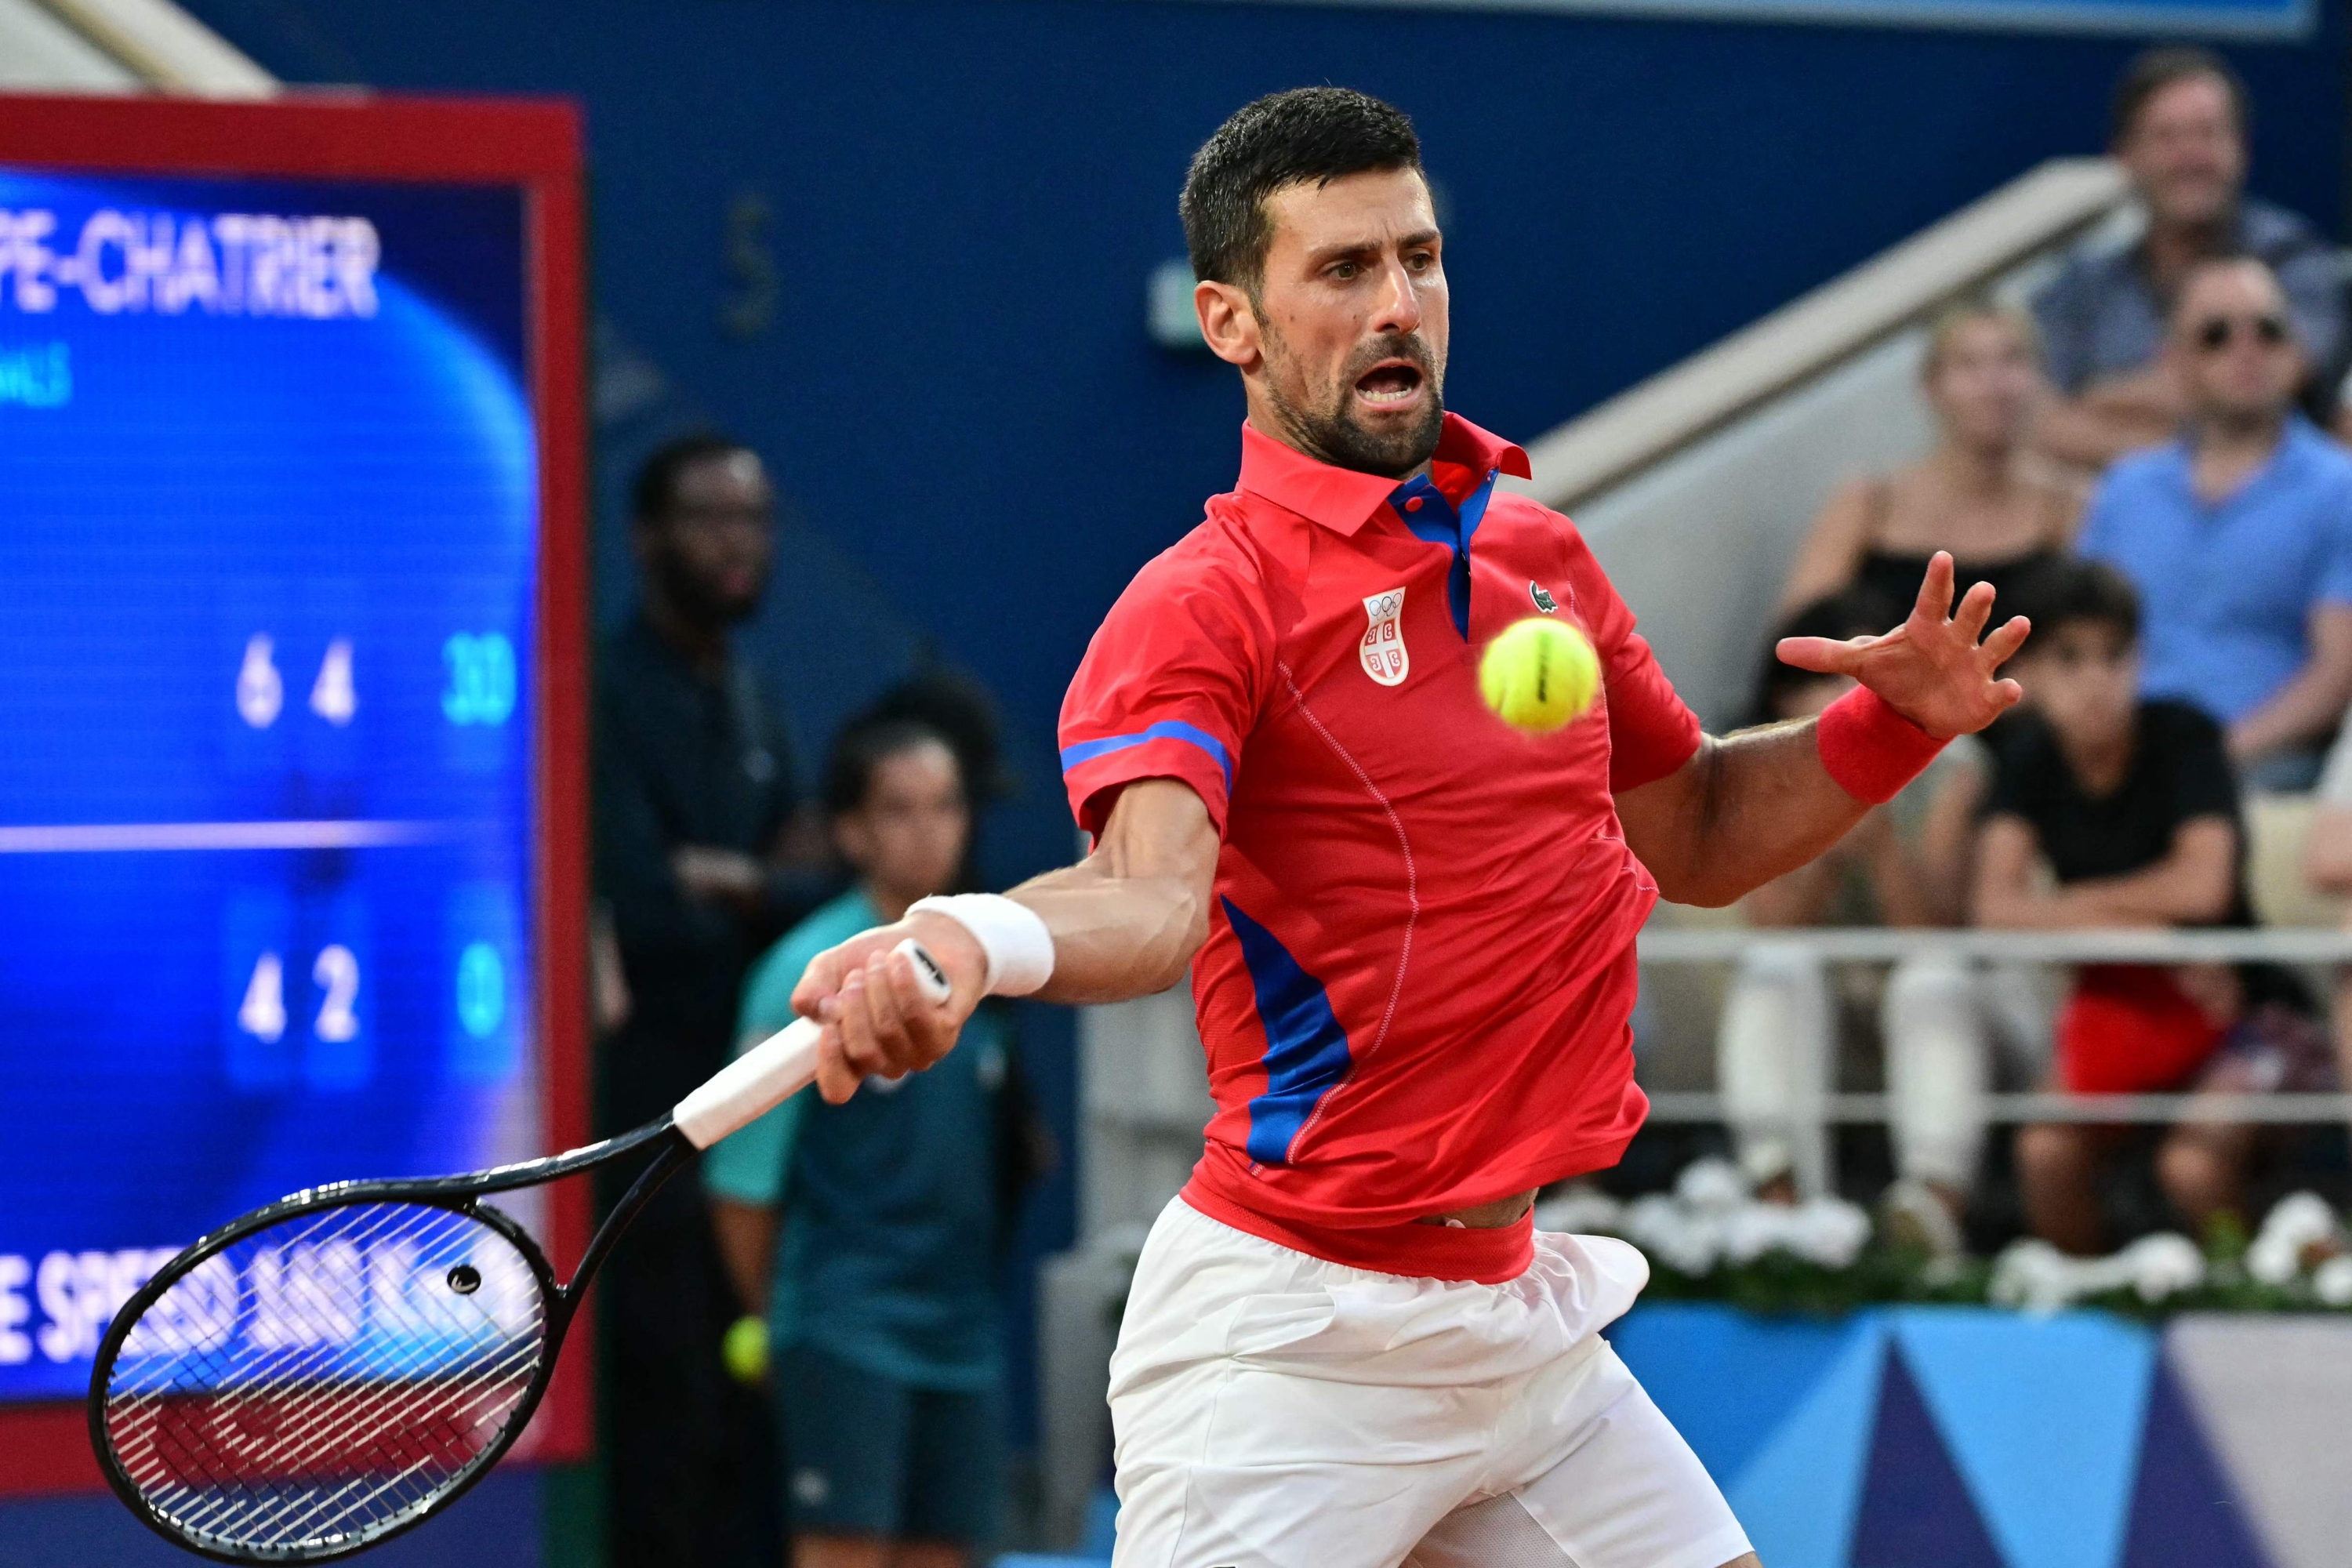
481	678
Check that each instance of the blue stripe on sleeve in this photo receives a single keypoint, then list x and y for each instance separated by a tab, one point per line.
1166	729
1306	1048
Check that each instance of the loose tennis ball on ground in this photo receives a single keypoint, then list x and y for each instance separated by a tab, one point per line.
1538	675
745	1350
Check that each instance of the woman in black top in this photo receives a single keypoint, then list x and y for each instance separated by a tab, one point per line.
1974	495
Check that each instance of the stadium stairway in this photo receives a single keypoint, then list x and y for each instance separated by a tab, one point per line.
120	46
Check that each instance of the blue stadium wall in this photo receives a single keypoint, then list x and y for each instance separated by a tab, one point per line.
936	330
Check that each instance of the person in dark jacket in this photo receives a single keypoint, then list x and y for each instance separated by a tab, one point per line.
693	804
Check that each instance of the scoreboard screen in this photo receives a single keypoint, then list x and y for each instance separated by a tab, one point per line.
275	898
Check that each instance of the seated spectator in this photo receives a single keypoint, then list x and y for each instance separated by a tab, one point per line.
883	1321
2239	537
1972	495
2129	804
2178	124
1904	865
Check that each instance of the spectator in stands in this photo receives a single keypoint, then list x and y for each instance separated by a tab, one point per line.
2129	804
1904	865
883	1320
693	791
2178	124
1974	495
2239	536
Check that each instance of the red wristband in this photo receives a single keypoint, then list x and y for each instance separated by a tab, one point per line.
1870	748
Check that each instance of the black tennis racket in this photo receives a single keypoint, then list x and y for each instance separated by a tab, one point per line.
328	1372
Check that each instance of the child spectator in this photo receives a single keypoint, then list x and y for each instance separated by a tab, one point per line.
2129	804
883	1320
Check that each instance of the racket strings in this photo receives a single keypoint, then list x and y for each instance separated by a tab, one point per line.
319	1380
407	1410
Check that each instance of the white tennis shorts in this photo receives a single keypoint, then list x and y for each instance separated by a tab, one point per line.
1276	1410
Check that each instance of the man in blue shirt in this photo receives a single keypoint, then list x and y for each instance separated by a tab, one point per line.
2180	127
2239	536
882	1313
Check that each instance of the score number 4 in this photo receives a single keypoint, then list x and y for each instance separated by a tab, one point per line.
262	1014
261	691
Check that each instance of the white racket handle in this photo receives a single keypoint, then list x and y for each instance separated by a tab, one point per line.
778	1068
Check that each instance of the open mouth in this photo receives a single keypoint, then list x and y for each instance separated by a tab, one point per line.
1392	383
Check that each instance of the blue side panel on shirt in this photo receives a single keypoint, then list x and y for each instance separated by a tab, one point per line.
1306	1049
1166	729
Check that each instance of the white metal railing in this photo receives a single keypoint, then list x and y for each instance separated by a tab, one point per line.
1881	944
1811	1108
1675	1105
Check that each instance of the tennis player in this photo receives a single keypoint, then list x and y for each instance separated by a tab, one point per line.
1409	927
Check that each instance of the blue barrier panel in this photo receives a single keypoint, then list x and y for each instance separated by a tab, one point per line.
1985	1439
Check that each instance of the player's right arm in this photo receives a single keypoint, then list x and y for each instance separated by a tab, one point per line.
1150	739
1125	921
1128	918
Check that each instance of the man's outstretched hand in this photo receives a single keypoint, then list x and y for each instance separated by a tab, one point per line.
1932	669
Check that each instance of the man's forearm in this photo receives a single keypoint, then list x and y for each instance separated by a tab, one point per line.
1128	918
2306	707
2165	894
2092	433
1746	809
1114	937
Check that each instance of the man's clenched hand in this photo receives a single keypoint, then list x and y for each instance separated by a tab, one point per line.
876	1017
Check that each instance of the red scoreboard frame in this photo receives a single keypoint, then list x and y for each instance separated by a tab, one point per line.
533	146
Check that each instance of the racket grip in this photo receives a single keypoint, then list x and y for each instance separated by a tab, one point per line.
777	1068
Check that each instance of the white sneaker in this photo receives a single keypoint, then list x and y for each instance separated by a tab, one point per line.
1911	1216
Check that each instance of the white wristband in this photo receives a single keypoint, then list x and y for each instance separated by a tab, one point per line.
1020	949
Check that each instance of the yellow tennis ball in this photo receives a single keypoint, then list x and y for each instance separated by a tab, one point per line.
1539	675
745	1350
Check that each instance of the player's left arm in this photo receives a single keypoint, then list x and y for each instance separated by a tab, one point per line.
1749	807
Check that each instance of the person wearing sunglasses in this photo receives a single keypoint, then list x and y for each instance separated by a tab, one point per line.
2179	128
2238	534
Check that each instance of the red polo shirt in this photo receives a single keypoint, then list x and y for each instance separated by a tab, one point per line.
1419	967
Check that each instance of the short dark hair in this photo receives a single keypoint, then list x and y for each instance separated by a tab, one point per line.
959	709
2155	70
864	745
2068	590
655	489
1318	133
